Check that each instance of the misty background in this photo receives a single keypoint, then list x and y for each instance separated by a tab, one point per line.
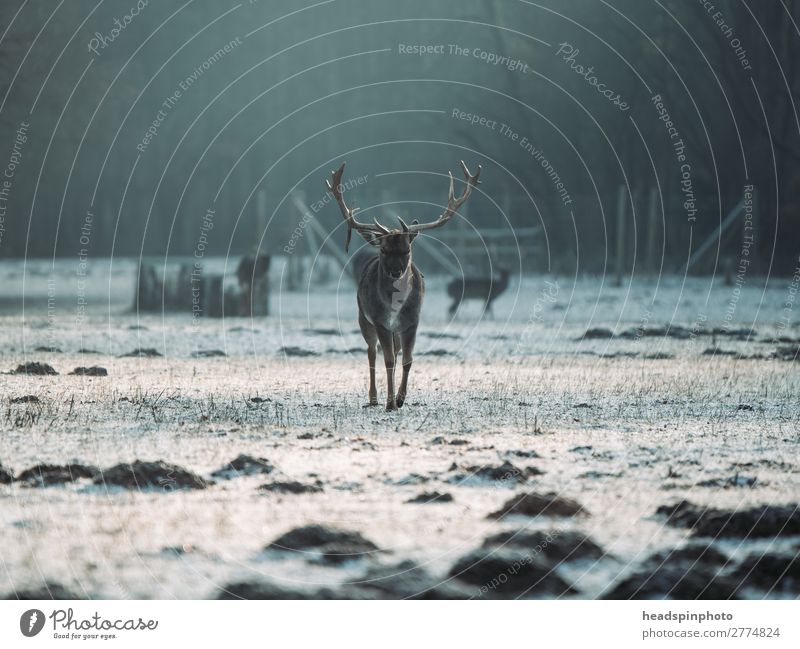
243	108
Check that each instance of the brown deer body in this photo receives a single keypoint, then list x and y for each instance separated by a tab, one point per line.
391	287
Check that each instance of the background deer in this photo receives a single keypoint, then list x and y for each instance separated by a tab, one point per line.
477	288
390	287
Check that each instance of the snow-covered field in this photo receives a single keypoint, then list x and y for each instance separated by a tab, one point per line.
519	402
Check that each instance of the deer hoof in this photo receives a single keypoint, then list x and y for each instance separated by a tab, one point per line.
391	405
400	400
371	404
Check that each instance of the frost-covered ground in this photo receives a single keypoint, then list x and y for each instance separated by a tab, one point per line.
621	425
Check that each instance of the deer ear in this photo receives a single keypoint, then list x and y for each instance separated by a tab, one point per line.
372	238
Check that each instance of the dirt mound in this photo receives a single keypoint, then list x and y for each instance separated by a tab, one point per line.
35	368
143	352
675	580
734	481
667	331
208	353
788	353
290	487
244	465
46	475
525	454
758	522
407	580
431	497
776	572
597	333
6	477
555	545
436	352
45	591
321	331
261	590
151	475
297	351
325	544
94	370
441	335
694	552
505	472
508	573
534	504
27	398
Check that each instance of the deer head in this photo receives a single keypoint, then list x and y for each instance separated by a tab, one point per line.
395	244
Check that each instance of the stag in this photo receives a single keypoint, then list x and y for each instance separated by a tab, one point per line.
391	287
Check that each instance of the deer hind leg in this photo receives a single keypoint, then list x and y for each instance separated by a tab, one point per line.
454	307
408	338
371	338
387	344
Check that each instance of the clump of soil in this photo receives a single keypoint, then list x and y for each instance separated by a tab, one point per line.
675	580
261	590
6	477
244	465
505	472
774	572
290	487
597	333
407	580
508	573
555	545
151	475
297	351
788	353
441	335
321	332
694	552
431	497
523	454
733	481
28	398
760	522
208	353
410	479
325	544
94	370
436	352
47	475
597	475
534	504
143	352
667	331
45	591
35	368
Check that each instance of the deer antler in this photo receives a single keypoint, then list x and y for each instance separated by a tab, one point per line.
453	203
335	188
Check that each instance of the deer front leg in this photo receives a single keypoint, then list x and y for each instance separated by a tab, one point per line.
408	338
387	344
371	338
372	354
